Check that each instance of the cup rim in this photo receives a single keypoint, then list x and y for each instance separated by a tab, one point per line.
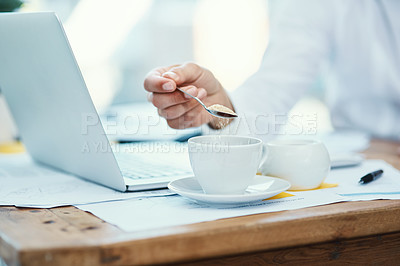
193	140
292	142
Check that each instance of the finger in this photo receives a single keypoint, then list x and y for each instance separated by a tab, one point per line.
193	118
184	74
201	94
178	110
177	123
165	100
191	90
154	82
150	97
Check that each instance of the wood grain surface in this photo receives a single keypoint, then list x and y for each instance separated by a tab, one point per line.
372	250
326	234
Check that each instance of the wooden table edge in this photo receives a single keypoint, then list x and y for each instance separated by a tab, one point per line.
258	234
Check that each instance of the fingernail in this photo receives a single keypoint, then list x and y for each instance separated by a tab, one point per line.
171	75
191	91
150	97
168	86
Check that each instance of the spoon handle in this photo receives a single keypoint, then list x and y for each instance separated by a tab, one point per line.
197	99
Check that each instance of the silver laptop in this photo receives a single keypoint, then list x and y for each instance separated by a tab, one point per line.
54	113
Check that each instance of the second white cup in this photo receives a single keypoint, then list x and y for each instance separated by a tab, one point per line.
304	163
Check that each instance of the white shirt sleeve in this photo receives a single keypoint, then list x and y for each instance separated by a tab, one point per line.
301	37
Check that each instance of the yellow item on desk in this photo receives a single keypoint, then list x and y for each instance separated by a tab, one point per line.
322	186
286	195
280	196
11	147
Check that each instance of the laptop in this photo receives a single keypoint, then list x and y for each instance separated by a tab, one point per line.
54	113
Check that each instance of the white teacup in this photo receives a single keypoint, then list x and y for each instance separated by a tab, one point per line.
304	163
224	164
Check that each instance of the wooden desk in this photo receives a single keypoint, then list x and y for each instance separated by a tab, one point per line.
350	232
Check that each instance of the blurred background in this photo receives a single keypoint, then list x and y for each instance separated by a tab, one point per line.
117	42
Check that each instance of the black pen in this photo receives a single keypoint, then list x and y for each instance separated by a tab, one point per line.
371	177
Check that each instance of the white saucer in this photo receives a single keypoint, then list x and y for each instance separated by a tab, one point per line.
262	187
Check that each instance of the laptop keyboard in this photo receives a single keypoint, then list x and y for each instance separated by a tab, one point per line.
137	168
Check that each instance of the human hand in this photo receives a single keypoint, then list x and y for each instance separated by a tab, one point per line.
181	111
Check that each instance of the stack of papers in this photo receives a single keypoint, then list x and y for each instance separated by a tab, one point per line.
26	184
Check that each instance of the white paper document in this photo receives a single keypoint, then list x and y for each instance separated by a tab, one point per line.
26	184
152	213
385	187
